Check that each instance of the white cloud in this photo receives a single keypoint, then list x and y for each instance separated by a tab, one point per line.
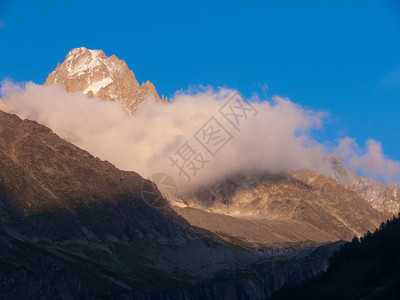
275	140
371	161
9	87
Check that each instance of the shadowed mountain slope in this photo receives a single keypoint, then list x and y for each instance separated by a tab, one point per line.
73	226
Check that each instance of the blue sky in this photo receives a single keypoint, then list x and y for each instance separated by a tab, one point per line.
338	56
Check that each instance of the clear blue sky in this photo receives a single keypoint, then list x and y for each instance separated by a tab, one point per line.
339	56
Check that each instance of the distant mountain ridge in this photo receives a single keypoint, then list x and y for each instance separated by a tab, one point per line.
272	210
383	197
95	74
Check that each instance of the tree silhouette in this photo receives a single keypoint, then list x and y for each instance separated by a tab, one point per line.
365	268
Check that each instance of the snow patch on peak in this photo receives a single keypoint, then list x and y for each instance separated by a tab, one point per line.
76	51
95	87
81	60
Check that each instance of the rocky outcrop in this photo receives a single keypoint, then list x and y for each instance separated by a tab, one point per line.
384	197
96	75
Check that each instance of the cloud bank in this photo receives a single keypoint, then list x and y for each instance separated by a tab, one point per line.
277	137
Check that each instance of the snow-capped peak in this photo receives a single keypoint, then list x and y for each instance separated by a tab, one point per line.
81	59
96	75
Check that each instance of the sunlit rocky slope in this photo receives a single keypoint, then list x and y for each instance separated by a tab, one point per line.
275	210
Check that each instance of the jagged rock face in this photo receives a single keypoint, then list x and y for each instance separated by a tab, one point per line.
267	209
384	197
96	75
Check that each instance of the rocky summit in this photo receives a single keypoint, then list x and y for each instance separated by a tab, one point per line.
384	197
96	75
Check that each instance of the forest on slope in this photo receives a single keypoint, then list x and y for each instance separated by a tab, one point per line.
366	268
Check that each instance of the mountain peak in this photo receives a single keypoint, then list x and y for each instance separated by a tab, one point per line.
382	197
96	75
333	158
337	169
81	50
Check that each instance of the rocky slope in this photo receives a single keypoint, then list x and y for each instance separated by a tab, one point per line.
95	74
275	210
73	226
384	197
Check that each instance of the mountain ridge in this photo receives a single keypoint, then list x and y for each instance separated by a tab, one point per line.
384	197
270	209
